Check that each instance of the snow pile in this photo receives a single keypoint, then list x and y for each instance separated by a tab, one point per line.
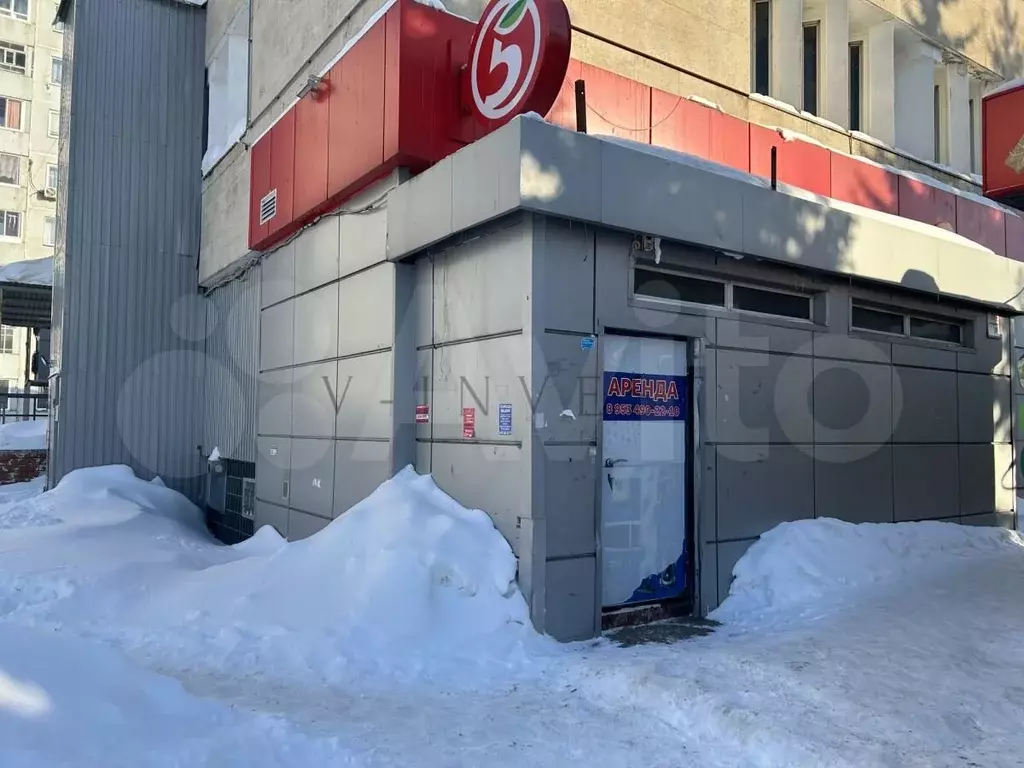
101	496
407	584
406	571
806	567
23	435
29	272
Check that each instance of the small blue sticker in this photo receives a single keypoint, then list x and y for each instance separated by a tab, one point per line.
587	343
505	419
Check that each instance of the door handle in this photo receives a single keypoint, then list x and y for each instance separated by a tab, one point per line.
609	463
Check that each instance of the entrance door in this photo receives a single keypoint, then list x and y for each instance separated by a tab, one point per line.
643	489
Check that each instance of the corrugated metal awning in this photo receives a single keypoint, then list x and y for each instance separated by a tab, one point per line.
25	306
62	8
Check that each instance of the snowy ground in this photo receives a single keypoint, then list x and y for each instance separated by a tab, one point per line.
397	637
23	435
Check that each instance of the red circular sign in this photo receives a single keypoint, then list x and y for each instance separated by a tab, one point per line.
517	59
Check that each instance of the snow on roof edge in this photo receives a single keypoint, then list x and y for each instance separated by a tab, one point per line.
1009	85
832	203
62	8
28	272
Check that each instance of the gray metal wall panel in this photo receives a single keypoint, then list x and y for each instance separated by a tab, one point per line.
854	423
368	323
359	467
316	255
854	484
570	598
314	398
232	368
926	482
929	406
312	477
131	375
316	324
302	525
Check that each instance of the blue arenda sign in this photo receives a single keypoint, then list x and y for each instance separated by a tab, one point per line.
644	397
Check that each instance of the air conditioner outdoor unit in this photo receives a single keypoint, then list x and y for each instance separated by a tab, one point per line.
50	193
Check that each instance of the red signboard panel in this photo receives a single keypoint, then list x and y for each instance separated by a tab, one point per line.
311	130
356	109
259	186
1003	143
730	141
1014	236
866	184
927	203
617	106
563	112
428	108
981	223
282	173
392	81
680	124
799	163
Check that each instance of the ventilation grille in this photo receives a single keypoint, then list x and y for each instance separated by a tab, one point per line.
268	207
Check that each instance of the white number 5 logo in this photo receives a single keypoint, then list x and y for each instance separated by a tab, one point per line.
511	56
508	38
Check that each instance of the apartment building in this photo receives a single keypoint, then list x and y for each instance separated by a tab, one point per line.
31	71
755	289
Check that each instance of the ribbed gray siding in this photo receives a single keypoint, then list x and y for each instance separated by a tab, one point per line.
232	368
132	331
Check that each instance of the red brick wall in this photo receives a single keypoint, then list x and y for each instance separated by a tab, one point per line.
21	466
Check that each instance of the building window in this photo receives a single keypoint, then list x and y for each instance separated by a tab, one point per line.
671	286
811	68
876	320
13	57
767	301
16	8
227	102
50	232
10	224
10	113
856	85
51	176
936	330
937	123
53	128
10	169
762	46
972	128
56	70
653	282
895	322
7	341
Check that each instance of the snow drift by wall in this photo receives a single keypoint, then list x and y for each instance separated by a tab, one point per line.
406	584
806	567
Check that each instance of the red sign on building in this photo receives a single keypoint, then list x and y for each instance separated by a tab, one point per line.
517	60
1003	145
412	88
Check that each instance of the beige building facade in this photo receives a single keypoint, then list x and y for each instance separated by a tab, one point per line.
31	70
897	81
